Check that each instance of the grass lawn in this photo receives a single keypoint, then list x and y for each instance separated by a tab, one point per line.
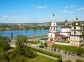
41	58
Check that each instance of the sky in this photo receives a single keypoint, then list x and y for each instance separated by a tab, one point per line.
39	11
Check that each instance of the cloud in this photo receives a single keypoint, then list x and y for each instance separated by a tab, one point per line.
80	9
14	19
41	7
71	6
71	12
67	11
5	16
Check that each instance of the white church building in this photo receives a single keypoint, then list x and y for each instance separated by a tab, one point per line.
76	38
72	33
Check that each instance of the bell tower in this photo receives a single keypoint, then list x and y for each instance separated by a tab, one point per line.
53	27
53	30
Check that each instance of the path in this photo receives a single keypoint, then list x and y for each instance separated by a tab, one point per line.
46	55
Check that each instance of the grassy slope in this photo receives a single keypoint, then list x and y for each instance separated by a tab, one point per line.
41	58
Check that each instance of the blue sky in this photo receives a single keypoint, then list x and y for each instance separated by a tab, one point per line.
33	11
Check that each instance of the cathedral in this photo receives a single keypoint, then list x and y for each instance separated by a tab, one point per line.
71	34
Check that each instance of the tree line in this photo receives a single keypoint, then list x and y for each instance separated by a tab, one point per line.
5	27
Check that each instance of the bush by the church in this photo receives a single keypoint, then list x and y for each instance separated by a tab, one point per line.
47	53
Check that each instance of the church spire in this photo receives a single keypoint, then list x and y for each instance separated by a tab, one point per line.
53	18
53	14
53	27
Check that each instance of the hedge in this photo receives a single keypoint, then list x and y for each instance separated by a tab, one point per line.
47	52
73	49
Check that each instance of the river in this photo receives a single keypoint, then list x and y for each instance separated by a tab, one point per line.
25	32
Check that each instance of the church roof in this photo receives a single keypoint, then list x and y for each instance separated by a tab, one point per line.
64	36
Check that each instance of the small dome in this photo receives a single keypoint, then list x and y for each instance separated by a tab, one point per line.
76	24
66	21
76	18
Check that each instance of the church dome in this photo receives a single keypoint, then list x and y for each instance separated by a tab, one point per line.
76	24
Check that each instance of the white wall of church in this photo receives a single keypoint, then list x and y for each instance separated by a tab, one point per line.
75	38
53	29
66	34
74	43
51	35
77	28
53	23
66	30
76	33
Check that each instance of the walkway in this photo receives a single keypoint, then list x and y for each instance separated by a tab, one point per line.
46	55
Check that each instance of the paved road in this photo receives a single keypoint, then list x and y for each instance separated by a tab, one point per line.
46	55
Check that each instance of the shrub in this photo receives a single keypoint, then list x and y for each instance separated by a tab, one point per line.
59	60
77	50
79	61
47	53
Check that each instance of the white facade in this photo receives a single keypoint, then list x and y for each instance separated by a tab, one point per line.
66	34
53	29
51	35
65	31
75	43
76	32
75	38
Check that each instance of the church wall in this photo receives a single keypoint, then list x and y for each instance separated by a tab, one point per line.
75	38
66	34
75	43
65	29
76	33
51	35
76	28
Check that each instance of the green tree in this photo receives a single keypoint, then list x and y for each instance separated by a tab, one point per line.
4	46
21	40
79	61
6	39
59	60
45	44
4	56
80	51
42	45
29	52
21	47
19	58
